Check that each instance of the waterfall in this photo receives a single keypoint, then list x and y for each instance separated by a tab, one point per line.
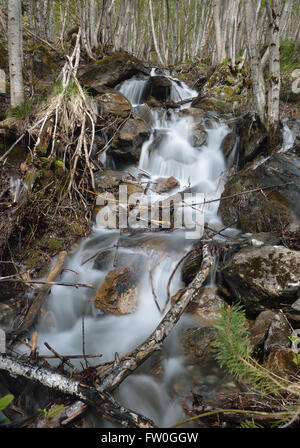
202	170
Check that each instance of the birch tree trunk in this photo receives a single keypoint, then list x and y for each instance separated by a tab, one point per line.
14	33
273	9
259	92
219	41
154	34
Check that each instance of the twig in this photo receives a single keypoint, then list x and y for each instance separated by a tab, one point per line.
39	299
75	285
62	358
172	275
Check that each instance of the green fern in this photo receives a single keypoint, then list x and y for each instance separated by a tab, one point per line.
234	353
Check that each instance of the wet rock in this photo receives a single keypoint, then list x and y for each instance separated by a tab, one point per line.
270	210
191	267
152	102
6	315
143	111
159	87
260	328
110	180
281	363
228	144
110	71
196	344
195	113
127	144
113	103
103	260
205	306
278	334
263	277
253	138
118	294
163	184
199	136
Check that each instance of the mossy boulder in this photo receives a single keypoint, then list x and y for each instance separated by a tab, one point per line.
110	71
268	210
262	277
227	82
113	103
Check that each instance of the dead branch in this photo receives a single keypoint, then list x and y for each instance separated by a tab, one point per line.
104	403
172	275
40	298
41	282
131	361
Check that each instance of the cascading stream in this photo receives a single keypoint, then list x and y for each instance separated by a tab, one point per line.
202	169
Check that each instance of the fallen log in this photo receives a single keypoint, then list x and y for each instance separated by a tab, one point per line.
131	361
103	402
41	295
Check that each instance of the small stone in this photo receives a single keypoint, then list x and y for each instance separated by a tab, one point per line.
118	293
163	184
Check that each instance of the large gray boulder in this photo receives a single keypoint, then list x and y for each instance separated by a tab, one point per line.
263	277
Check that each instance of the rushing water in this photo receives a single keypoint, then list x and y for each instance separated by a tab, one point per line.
203	170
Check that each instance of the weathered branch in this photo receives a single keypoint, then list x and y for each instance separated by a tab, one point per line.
104	403
39	299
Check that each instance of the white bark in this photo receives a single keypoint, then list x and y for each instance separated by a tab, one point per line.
14	33
273	10
154	34
220	43
255	63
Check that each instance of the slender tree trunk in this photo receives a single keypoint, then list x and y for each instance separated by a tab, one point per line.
219	41
255	64
273	10
154	34
14	32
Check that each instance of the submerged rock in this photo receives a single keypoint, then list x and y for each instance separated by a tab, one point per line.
263	277
268	210
191	267
205	306
196	344
118	293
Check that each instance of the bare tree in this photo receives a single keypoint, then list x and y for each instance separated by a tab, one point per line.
15	51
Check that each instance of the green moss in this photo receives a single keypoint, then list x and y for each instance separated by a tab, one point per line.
55	245
22	111
33	257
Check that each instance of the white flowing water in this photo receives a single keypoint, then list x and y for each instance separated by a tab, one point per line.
202	169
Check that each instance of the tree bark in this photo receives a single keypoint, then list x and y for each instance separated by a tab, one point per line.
104	403
255	63
15	52
273	10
